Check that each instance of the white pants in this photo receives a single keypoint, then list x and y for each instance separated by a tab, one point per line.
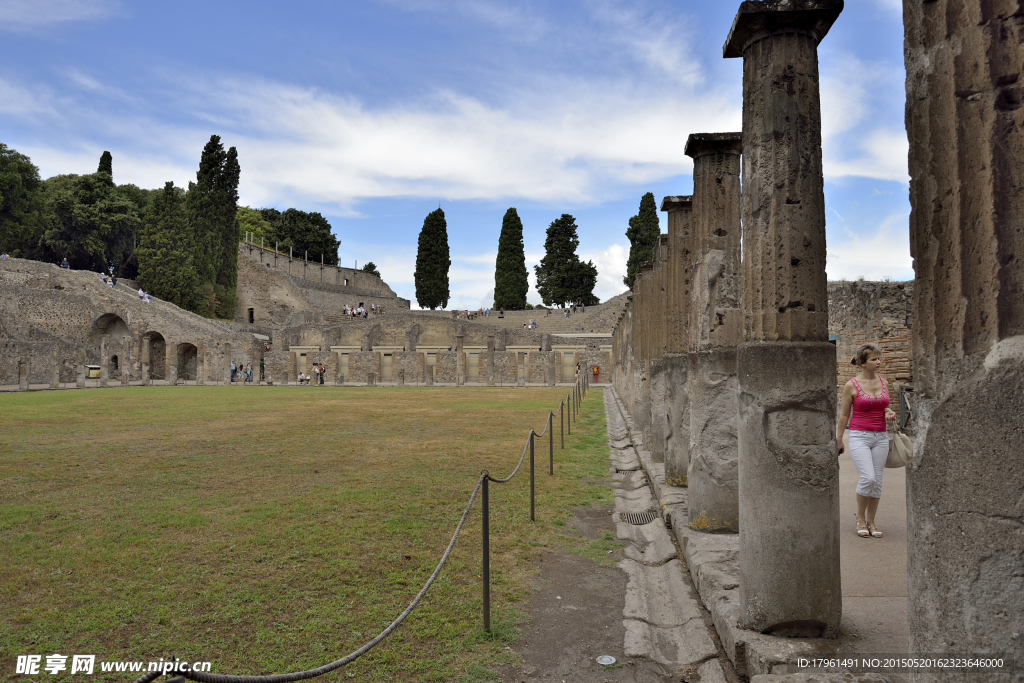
869	451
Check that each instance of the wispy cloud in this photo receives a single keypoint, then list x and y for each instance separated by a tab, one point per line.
874	256
21	14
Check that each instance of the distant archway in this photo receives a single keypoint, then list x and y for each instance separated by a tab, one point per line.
188	362
118	336
157	355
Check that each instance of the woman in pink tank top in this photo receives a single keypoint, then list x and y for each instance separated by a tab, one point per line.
867	396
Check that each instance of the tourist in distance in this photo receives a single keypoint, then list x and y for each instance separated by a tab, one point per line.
867	396
64	264
234	369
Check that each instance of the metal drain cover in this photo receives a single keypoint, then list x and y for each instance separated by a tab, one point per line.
637	518
606	660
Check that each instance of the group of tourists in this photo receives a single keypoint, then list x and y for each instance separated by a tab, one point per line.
111	281
316	376
238	373
865	414
360	311
531	325
143	295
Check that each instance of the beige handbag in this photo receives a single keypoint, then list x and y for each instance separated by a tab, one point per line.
901	448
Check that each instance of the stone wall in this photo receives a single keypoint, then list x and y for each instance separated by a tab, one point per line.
879	312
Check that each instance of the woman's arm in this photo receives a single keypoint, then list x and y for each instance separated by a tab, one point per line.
844	414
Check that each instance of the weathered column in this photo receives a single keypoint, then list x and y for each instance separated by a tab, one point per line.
104	360
460	360
654	439
520	369
24	369
370	379
201	354
171	364
126	360
490	360
401	377
965	516
55	363
788	472
226	363
715	330
80	371
146	342
554	359
677	291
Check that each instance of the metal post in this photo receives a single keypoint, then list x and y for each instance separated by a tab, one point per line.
551	441
487	554
533	493
561	421
568	407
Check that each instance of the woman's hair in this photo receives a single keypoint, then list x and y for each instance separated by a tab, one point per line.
864	352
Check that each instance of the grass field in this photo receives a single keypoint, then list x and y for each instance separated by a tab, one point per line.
274	529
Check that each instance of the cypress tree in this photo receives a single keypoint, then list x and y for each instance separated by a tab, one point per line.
561	277
166	267
212	211
106	165
432	262
510	274
643	233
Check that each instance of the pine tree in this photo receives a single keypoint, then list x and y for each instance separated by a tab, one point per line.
433	260
643	233
510	274
561	277
371	268
166	268
106	165
212	210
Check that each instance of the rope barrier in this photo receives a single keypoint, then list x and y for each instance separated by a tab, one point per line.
203	677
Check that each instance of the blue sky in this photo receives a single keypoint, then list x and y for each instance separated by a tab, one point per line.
375	112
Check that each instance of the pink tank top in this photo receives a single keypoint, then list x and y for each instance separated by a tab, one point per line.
868	410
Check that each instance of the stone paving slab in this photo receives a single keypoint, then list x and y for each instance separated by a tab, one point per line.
658	595
649	543
711	672
673	647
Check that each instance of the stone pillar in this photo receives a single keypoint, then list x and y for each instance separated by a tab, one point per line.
428	375
643	323
80	371
126	360
201	365
520	369
370	379
226	363
965	546
715	330
788	471
490	360
104	360
654	439
24	369
676	362
401	377
460	361
554	360
55	363
171	364
147	340
339	376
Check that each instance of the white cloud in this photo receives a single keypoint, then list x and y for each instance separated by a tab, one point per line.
884	254
16	14
611	268
883	155
893	5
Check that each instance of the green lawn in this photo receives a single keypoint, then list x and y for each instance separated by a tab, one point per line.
274	529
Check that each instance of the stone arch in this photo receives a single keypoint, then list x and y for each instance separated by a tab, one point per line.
188	362
115	329
157	354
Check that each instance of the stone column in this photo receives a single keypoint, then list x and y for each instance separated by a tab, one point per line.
654	439
370	379
55	363
644	322
24	370
965	546
226	363
171	364
104	360
788	471
715	330
126	360
146	342
80	370
554	361
676	361
490	360
520	369
460	361
401	377
201	348
339	378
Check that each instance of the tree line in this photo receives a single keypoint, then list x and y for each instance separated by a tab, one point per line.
562	278
181	244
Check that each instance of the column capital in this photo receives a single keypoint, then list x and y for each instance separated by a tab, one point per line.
670	204
759	18
699	144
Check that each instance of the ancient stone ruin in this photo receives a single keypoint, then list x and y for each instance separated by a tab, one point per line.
727	363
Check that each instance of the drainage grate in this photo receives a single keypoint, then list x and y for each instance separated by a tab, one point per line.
637	518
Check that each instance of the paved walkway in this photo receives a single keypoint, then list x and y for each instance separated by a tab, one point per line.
875	569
